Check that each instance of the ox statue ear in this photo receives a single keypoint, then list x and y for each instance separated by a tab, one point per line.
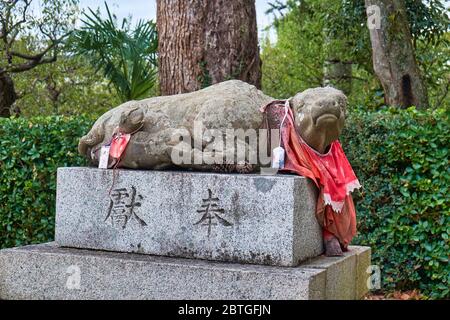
131	120
289	101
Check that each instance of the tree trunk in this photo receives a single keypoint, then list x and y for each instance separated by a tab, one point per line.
336	71
393	54
7	95
338	74
202	42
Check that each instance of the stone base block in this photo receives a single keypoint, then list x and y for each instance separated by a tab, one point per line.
346	277
226	217
50	272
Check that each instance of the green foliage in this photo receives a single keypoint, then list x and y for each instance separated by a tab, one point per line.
69	86
428	19
30	152
48	80
295	62
47	30
310	32
204	78
402	160
433	60
127	57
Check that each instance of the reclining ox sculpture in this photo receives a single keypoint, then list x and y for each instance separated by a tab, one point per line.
157	123
156	131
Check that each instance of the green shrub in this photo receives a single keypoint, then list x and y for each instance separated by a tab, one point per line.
401	159
30	152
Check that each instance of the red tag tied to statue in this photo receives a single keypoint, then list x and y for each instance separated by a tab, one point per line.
118	144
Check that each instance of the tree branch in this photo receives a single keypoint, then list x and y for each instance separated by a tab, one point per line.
33	57
15	27
10	30
36	59
30	65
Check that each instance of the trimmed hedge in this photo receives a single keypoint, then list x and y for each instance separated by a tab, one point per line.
30	152
402	161
401	158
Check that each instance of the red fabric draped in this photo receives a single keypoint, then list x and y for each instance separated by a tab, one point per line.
332	174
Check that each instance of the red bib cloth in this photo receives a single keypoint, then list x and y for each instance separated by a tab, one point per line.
331	172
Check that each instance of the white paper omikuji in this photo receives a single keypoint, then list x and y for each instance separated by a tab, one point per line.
278	158
104	158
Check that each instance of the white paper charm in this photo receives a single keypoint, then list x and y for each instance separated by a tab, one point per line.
104	157
278	158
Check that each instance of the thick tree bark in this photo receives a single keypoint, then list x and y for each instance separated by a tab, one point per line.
202	42
7	95
393	54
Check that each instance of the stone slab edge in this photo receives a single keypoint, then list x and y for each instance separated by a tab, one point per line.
346	277
47	272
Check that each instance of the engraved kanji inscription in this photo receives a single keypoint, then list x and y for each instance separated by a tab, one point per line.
211	213
123	205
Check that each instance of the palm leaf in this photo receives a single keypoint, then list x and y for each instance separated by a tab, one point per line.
126	57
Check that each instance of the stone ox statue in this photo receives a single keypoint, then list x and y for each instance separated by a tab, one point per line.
159	126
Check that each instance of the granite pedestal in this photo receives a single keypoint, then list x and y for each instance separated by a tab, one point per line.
50	272
225	217
182	235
